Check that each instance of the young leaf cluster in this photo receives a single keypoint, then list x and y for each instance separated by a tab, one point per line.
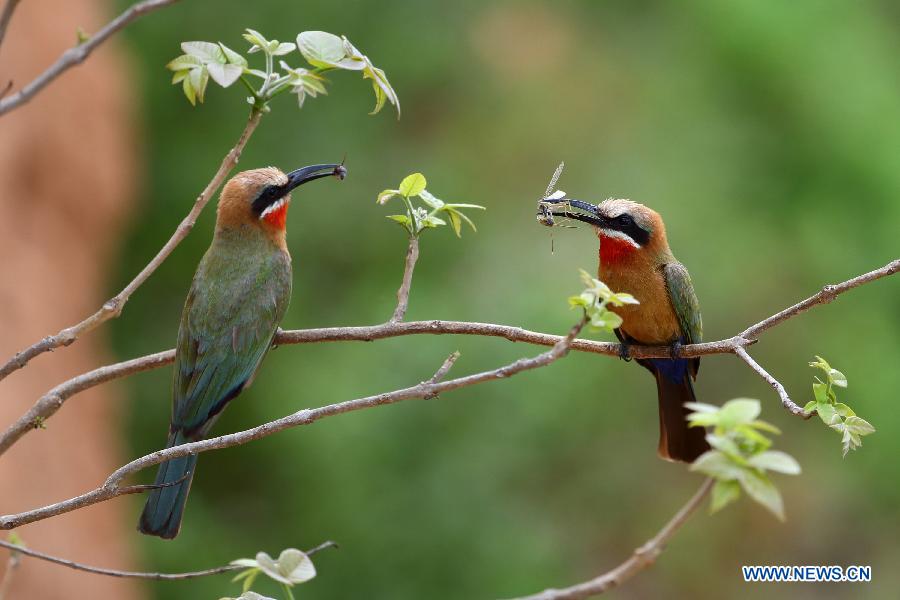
324	52
594	300
836	415
292	567
419	218
740	457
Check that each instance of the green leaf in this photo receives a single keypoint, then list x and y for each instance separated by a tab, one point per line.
431	221
232	57
820	391
703	419
452	210
837	378
412	185
843	410
858	426
386	195
429	199
724	493
402	219
283	48
738	411
827	413
321	49
455	223
810	406
718	465
183	62
701	407
775	460
188	89
205	51
291	568
606	320
765	426
257	39
759	487
224	75
726	445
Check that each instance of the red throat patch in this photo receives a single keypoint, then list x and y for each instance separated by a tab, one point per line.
613	250
278	217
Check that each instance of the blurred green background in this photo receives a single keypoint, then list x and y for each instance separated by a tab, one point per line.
768	136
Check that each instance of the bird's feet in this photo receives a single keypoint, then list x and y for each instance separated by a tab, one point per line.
675	350
625	351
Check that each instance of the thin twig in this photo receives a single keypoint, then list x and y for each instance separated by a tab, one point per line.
412	255
776	385
15	557
112	487
826	295
50	402
5	18
113	307
642	557
135	574
77	54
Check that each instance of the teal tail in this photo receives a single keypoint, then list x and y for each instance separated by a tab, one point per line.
165	505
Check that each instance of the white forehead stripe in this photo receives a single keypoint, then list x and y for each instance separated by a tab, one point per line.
612	233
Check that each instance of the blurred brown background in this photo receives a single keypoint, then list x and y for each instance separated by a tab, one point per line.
67	168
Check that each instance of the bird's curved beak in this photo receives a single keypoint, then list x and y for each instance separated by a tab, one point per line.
312	172
589	213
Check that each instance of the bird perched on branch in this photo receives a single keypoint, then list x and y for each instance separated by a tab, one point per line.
238	297
635	258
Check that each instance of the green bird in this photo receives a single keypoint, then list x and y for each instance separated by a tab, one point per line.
238	297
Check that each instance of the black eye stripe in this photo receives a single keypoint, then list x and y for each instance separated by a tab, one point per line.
626	224
266	197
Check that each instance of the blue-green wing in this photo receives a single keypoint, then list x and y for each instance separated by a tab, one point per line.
226	330
687	308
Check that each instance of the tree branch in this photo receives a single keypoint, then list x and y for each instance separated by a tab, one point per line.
642	557
776	385
136	574
113	307
75	55
50	402
412	255
5	18
112	488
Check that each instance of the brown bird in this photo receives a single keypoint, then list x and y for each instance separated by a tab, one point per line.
635	258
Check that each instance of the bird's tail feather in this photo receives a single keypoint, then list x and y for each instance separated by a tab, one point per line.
165	505
677	441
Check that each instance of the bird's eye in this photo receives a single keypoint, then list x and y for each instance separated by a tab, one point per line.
625	220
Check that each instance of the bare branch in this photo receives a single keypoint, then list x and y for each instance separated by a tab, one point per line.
776	385
112	488
75	55
445	368
5	18
826	295
412	255
113	307
135	574
52	400
642	557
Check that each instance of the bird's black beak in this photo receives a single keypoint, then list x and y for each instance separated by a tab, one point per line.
589	213
306	174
